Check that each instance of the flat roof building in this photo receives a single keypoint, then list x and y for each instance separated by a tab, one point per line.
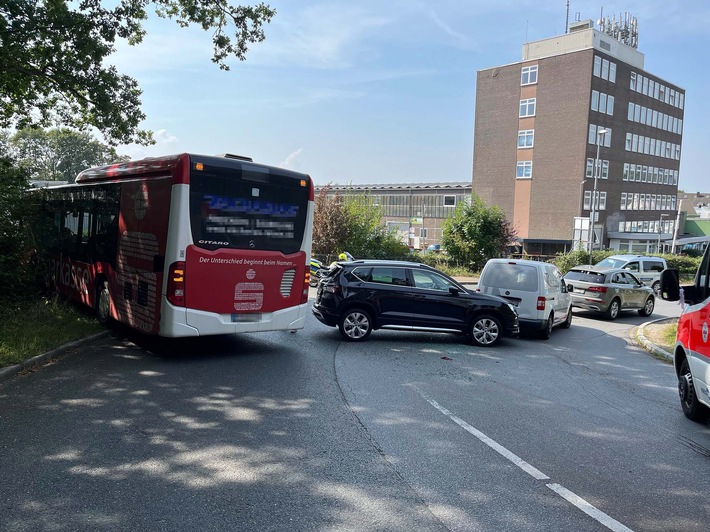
417	211
580	114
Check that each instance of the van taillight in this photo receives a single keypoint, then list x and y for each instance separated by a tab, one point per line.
541	303
600	289
176	284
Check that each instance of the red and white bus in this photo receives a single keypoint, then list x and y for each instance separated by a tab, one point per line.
692	348
185	245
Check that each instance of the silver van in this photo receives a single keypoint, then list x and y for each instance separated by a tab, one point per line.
535	288
645	269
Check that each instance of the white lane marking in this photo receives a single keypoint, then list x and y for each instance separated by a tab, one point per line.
563	492
522	464
592	511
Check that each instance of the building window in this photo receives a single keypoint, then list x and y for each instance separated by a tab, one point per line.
587	200
590	168
528	75
527	107
632	84
597	65
595	100
524	170
623	201
612	72
526	138
449	201
610	105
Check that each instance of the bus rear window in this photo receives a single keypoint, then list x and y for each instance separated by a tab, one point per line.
247	208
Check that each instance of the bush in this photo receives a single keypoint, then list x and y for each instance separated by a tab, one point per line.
684	264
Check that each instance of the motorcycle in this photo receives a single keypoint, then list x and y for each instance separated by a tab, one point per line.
317	271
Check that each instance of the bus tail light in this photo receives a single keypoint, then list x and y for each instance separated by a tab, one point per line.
306	284
176	284
541	301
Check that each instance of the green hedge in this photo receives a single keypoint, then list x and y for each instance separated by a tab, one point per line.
686	265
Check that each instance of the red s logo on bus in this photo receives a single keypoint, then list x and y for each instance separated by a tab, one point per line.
248	296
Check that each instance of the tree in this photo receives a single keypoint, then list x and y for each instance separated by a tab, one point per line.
352	223
52	59
475	233
329	231
16	272
60	154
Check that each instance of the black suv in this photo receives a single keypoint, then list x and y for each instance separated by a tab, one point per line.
362	295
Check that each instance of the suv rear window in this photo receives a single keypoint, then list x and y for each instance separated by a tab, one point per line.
585	277
511	276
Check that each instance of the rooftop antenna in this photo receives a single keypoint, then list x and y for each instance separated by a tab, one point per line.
567	19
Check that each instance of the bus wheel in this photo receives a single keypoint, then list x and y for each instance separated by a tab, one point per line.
102	303
692	408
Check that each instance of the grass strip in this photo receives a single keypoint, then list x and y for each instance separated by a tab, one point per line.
30	328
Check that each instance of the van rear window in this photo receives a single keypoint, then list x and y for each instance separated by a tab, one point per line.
511	276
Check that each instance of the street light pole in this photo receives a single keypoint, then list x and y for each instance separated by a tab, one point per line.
593	212
660	230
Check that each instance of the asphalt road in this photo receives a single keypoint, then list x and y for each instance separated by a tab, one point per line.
404	432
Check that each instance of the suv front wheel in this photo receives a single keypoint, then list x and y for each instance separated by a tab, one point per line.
486	331
355	325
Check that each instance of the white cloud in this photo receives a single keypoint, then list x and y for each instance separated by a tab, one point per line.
326	36
288	161
165	144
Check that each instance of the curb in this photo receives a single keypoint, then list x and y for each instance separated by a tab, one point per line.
10	371
651	347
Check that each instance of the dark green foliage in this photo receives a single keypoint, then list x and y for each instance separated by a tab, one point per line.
54	58
18	261
475	233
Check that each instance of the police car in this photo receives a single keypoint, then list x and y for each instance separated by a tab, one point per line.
692	348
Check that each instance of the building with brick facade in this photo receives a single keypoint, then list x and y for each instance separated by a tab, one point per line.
540	123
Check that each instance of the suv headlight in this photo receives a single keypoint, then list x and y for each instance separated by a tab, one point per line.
512	308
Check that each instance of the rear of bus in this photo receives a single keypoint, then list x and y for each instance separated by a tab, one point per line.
238	248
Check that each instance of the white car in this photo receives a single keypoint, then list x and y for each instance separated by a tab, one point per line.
646	269
535	288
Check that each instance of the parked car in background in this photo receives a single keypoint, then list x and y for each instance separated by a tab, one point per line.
363	295
535	288
645	269
608	291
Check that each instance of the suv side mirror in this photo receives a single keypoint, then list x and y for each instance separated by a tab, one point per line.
563	288
454	291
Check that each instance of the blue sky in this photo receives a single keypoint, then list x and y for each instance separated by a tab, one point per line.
383	92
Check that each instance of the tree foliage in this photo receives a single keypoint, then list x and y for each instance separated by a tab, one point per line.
53	58
59	154
475	233
352	223
16	259
329	231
